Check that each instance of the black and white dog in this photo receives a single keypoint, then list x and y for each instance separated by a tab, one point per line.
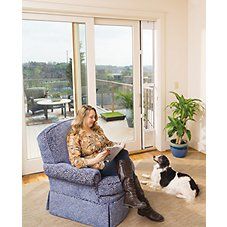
179	184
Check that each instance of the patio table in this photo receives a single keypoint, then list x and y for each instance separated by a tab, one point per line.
49	104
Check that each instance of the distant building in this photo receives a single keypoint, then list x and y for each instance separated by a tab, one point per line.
117	76
127	79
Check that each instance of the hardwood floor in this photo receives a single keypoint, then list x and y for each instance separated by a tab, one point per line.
33	177
41	176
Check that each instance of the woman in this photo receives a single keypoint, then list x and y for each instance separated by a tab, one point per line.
87	145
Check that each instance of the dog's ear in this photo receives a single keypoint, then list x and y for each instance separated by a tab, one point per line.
164	161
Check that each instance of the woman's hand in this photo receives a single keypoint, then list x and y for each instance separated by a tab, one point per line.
121	144
92	161
102	155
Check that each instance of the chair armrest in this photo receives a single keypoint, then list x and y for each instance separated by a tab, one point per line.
31	99
65	171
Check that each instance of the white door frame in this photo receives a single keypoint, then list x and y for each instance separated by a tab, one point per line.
136	143
160	85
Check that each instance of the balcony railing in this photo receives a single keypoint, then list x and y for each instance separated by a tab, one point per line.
106	98
106	93
148	105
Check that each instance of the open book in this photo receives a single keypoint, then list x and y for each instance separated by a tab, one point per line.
114	150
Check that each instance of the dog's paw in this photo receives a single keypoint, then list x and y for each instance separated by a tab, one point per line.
144	182
146	175
188	199
179	195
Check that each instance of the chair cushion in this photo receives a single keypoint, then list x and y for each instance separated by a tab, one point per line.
84	192
110	185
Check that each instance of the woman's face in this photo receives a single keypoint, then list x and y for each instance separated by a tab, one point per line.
89	120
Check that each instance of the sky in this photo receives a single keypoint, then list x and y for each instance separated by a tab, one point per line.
52	42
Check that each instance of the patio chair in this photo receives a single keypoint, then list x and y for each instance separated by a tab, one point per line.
71	104
81	195
33	95
84	99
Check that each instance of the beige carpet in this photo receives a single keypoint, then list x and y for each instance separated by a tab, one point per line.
176	211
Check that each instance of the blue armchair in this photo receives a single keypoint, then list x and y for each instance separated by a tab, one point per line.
81	195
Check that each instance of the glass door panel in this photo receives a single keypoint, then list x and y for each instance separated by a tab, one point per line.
115	72
147	33
47	74
81	91
48	70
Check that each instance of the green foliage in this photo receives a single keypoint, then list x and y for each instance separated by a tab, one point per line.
69	73
56	95
184	110
54	76
127	71
112	114
125	98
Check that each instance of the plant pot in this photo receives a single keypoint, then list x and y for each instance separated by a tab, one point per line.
129	118
178	150
55	99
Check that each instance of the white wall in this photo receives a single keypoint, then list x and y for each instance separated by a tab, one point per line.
196	67
175	14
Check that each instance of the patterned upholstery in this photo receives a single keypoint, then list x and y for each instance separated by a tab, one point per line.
78	194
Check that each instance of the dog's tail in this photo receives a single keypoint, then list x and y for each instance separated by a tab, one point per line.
197	191
194	186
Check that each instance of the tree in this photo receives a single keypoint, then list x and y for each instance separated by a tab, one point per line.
69	73
127	71
83	69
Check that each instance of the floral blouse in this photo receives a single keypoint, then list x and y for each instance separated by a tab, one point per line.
84	145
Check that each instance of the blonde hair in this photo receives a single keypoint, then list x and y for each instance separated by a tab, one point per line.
77	123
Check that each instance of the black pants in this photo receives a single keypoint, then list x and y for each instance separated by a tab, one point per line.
110	168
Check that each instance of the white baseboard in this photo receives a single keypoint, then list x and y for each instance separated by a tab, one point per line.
197	145
201	147
165	146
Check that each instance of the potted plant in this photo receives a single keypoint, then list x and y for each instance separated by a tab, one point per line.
56	97
184	111
126	99
113	115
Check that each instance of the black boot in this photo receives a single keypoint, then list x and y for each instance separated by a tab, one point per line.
125	172
147	211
